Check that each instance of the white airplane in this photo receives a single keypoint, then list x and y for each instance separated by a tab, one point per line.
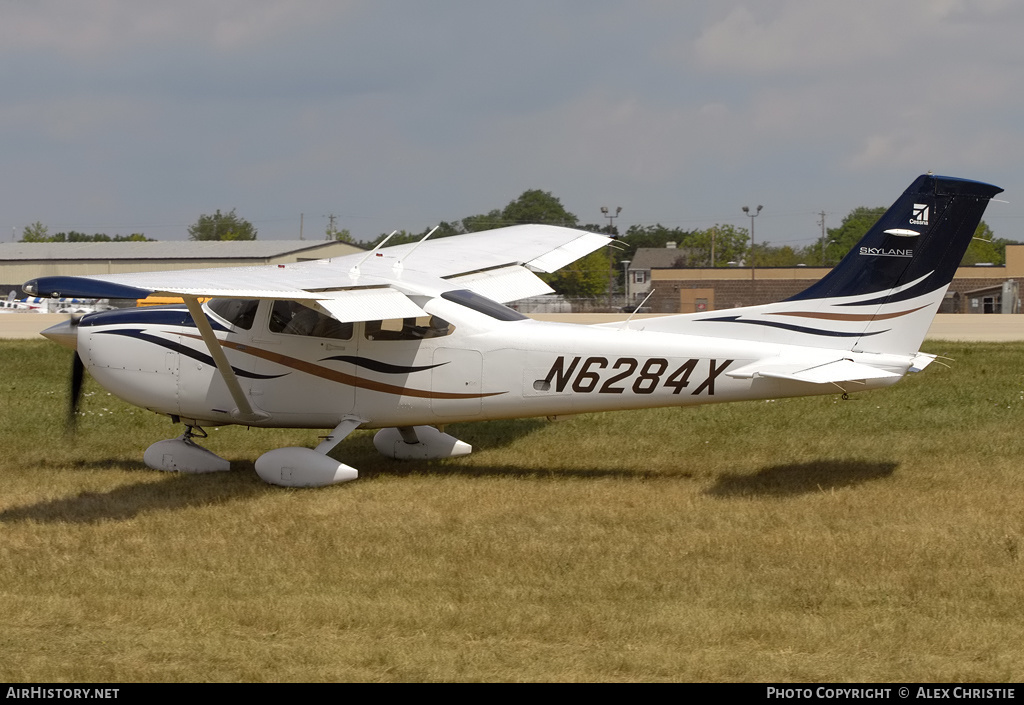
410	338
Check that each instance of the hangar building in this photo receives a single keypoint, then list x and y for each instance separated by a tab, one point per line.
21	261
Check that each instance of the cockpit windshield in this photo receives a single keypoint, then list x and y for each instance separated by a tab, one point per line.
482	304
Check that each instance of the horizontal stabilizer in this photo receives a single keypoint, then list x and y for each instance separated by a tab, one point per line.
828	373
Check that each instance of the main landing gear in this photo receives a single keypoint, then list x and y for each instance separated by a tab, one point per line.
305	467
182	454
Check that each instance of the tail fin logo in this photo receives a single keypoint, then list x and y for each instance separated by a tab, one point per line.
920	214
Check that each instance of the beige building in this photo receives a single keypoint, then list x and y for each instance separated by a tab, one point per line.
977	289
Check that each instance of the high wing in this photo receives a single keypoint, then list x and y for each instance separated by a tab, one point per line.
498	264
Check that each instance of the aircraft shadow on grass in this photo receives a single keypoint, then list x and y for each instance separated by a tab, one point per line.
180	491
794	479
128	501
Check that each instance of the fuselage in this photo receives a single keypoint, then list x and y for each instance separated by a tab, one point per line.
464	363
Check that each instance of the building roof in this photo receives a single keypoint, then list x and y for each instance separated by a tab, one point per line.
659	257
163	249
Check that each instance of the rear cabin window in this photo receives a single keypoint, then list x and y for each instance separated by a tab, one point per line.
420	328
238	312
294	318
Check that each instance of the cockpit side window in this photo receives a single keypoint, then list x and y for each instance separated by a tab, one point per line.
294	318
408	328
238	312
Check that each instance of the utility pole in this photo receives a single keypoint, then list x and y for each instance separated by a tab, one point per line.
822	224
330	227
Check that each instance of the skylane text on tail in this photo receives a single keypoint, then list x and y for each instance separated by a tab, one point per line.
410	337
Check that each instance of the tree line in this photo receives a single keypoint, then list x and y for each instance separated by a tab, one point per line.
721	245
219	226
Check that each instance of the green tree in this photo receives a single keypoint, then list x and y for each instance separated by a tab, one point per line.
533	206
785	256
36	232
586	277
839	241
985	247
536	206
484	221
403	237
222	226
39	234
730	244
73	236
342	235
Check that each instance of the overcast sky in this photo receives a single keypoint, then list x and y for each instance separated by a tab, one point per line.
129	116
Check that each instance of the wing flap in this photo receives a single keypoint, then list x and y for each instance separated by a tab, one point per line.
503	284
373	304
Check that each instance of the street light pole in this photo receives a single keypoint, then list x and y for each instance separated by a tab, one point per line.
823	246
611	230
753	277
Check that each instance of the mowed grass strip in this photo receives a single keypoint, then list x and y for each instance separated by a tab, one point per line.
875	539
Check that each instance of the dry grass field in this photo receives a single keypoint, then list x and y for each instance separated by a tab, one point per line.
875	539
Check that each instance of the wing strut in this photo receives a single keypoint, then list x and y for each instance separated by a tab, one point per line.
355	268
397	266
244	412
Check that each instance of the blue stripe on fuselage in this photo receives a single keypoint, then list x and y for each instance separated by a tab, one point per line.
170	315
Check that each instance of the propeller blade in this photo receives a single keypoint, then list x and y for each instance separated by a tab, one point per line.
77	377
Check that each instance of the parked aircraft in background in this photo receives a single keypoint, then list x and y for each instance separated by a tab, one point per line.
410	338
62	304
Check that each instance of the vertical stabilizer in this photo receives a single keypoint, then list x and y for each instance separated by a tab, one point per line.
883	295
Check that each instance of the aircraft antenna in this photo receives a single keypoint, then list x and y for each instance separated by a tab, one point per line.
625	324
355	267
398	264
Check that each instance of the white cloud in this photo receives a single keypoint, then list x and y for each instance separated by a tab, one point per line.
810	36
100	27
399	113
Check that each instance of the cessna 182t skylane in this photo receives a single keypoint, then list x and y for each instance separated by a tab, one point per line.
411	337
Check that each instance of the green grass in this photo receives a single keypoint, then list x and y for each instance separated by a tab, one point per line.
875	539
